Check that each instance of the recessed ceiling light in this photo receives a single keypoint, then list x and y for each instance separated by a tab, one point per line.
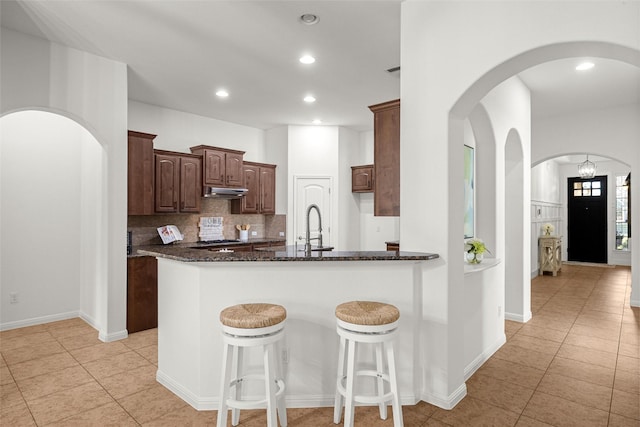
309	98
317	122
307	59
222	93
585	66
309	19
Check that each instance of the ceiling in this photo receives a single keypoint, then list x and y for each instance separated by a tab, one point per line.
179	53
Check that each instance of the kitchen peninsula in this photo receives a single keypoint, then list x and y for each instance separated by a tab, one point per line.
195	284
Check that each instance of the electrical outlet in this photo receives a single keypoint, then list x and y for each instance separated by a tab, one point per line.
282	234
254	233
285	355
13	298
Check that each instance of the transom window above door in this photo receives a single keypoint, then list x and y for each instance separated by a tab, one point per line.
587	189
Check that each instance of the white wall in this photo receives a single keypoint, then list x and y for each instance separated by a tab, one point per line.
508	107
37	74
177	131
313	152
449	63
374	230
349	212
38	214
546	205
60	207
612	133
276	152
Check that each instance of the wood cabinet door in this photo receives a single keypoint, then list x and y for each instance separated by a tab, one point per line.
362	179
190	184
386	184
214	168
140	174
250	202
142	293
167	183
233	169
268	190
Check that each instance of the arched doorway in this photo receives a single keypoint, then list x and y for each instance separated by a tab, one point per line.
51	229
550	196
478	90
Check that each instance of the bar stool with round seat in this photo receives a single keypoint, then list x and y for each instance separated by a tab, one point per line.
244	326
372	323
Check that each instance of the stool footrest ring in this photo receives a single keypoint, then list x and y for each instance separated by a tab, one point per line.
366	398
252	404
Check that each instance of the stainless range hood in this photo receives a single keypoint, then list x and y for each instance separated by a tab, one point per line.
224	193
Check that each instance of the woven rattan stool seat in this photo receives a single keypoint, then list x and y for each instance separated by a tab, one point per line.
367	313
251	316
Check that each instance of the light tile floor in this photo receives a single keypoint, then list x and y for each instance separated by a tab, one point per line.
575	363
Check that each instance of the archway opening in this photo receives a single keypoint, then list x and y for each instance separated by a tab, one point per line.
550	194
476	92
51	225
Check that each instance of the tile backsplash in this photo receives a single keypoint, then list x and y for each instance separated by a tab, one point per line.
144	227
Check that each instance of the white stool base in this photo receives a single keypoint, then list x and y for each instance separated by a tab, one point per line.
382	338
234	342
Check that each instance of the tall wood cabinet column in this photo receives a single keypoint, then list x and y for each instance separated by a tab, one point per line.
386	184
140	174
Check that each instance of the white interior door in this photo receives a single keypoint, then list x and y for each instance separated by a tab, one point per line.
308	191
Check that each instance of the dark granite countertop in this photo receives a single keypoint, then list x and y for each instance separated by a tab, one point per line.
187	245
190	253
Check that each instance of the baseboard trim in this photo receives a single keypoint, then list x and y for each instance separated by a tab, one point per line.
472	367
116	336
446	402
518	317
211	404
39	320
90	320
176	388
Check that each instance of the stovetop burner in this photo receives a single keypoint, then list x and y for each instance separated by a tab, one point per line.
208	242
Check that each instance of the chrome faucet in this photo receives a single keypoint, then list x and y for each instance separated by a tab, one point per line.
307	246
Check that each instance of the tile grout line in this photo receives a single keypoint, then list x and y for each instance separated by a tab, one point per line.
101	386
556	353
554	356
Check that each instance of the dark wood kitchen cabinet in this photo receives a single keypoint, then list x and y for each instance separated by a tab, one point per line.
140	174
386	183
393	246
178	182
362	179
142	293
221	167
260	180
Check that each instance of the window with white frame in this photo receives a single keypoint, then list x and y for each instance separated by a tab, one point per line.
622	213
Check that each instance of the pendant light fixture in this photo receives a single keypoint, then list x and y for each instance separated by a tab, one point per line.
587	169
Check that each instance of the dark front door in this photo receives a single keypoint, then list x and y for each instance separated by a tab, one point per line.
587	224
